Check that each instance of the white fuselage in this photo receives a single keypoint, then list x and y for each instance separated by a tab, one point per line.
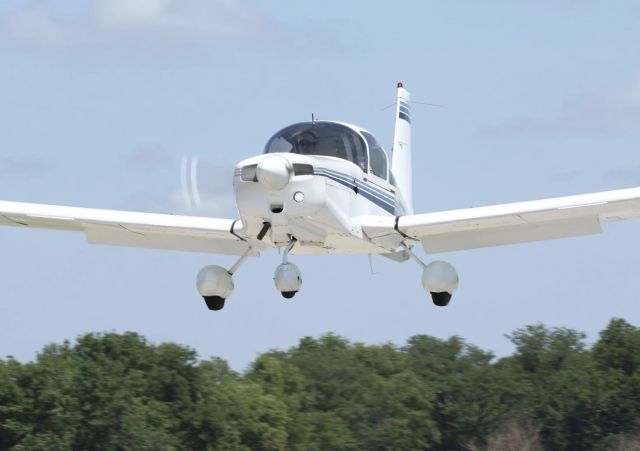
336	195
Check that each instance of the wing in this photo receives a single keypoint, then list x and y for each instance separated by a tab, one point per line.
123	228
509	223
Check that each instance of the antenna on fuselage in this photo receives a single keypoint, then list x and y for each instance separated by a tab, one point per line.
313	119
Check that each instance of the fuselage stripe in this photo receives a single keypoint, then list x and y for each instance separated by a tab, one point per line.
365	187
338	177
360	184
385	206
369	193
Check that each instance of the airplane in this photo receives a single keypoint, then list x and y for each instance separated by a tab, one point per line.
326	187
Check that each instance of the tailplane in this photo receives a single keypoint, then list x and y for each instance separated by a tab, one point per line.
401	153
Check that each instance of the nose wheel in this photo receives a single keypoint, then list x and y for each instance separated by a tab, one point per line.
288	278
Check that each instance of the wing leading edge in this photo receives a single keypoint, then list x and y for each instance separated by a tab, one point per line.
520	222
124	228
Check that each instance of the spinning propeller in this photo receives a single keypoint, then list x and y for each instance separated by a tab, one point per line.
206	186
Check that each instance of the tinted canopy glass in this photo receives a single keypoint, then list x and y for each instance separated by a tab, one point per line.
377	156
321	138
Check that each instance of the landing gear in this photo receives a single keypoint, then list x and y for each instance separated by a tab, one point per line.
288	278
439	279
214	302
215	283
440	299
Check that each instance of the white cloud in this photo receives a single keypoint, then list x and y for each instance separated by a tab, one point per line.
163	22
129	13
609	111
36	25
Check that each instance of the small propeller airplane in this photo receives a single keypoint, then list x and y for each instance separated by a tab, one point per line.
325	187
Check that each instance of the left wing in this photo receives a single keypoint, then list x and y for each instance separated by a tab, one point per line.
496	225
124	228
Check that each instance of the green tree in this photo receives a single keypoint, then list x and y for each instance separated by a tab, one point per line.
14	405
118	392
466	390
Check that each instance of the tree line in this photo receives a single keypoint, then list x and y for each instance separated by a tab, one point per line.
109	391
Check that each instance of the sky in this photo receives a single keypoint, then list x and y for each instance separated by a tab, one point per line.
101	100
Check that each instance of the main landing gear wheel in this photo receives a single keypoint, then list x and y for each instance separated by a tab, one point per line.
288	278
214	302
439	279
440	299
215	283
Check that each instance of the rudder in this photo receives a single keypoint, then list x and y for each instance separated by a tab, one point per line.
401	153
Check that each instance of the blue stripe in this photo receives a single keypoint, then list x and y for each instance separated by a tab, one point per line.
341	176
372	189
369	193
385	206
404	104
404	116
369	190
337	177
404	109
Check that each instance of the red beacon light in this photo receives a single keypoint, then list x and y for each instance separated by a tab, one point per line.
400	85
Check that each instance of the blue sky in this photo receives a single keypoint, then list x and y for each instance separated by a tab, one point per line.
100	100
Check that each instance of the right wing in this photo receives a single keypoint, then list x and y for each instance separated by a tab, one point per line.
124	228
497	225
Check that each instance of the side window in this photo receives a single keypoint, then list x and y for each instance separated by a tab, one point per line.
377	157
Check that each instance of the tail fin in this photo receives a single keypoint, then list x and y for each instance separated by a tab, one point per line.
401	153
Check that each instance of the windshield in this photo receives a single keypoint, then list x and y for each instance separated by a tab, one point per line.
321	138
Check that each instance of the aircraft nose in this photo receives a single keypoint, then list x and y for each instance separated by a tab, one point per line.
274	172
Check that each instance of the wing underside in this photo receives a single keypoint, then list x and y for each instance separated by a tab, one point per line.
508	223
438	232
123	228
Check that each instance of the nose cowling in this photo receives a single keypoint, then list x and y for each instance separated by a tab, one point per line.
274	172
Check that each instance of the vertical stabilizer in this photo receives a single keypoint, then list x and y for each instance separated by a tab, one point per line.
401	153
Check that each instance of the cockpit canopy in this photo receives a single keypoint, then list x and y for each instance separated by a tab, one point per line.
331	139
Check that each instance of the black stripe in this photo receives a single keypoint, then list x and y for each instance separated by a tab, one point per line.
404	116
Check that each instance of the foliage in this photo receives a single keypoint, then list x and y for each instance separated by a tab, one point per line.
118	392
